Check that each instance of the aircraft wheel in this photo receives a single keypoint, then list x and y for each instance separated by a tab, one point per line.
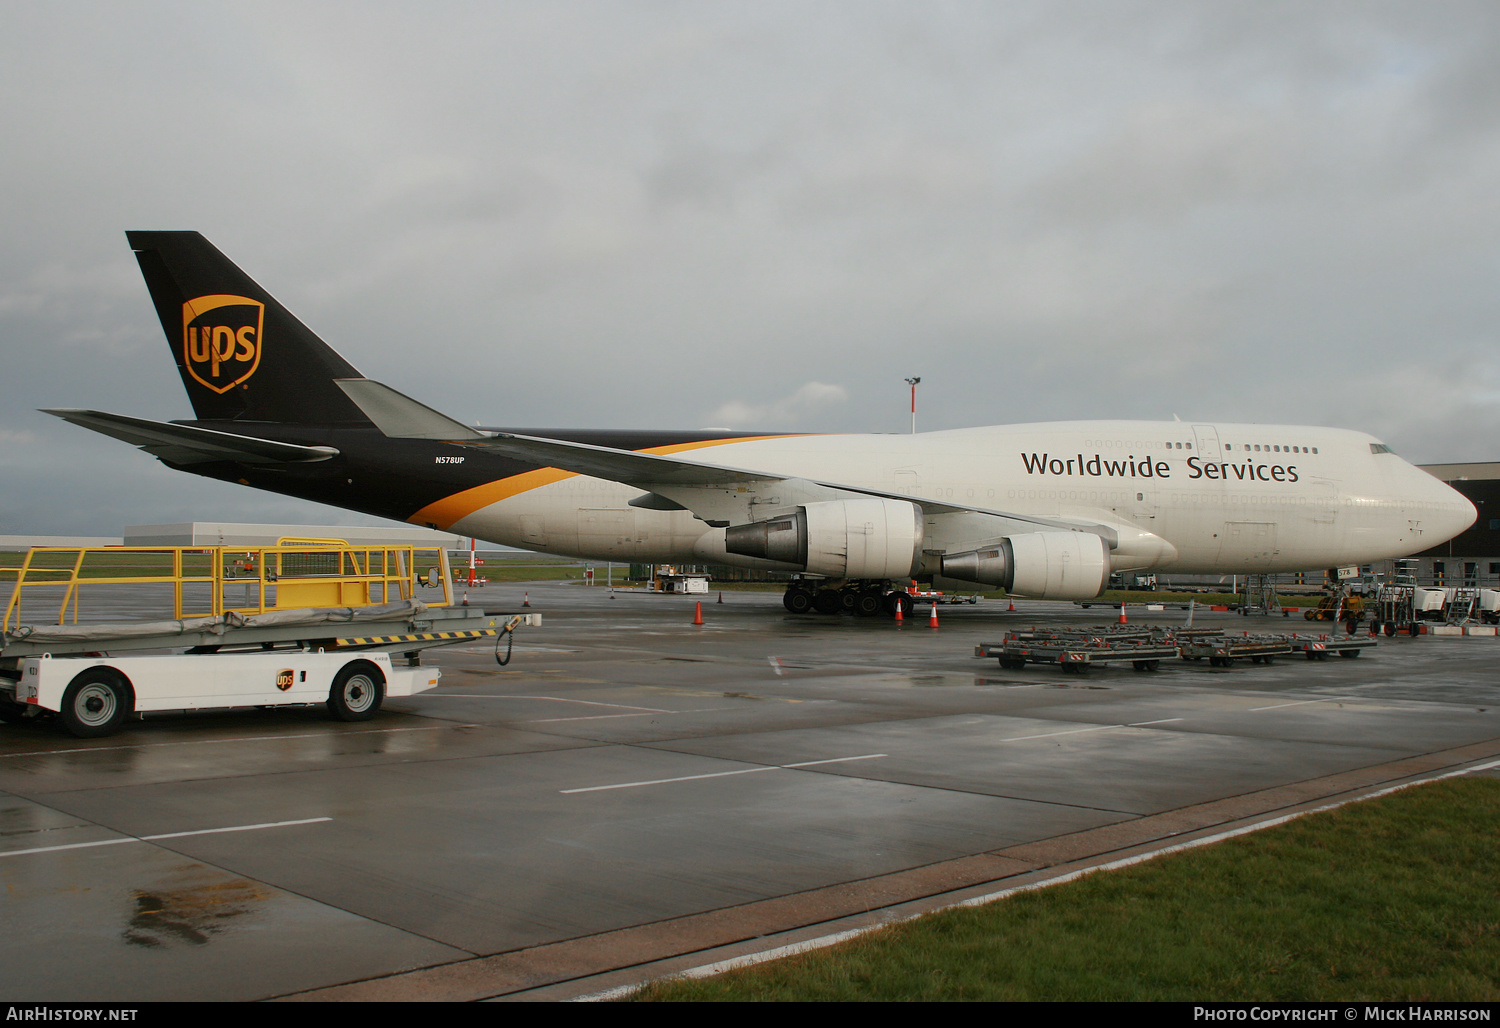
869	603
357	691
95	704
848	600
826	601
798	601
901	601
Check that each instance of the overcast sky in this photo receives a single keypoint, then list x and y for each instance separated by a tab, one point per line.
758	215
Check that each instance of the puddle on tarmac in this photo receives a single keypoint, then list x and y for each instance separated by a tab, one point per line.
189	916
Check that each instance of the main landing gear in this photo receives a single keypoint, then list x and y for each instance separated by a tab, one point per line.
862	599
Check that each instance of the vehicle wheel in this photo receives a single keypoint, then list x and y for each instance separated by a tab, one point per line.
1145	665
869	603
1390	628
95	704
1350	626
1013	663
357	691
1269	658
1350	653
12	713
798	601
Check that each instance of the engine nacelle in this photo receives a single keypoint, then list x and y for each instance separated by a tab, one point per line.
866	538
1042	565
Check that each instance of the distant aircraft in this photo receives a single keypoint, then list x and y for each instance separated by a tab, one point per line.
1044	510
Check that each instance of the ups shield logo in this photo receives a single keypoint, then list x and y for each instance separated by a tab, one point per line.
221	339
284	678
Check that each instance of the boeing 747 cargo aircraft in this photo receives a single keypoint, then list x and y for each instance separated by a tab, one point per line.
1044	510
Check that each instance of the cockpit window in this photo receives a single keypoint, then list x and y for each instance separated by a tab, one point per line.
1380	448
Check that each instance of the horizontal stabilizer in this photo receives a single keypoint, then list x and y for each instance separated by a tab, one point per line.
399	416
181	444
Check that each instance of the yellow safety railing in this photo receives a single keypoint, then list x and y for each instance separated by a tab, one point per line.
293	573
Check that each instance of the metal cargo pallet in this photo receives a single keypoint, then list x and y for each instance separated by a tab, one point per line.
1224	650
1076	652
1319	647
1076	649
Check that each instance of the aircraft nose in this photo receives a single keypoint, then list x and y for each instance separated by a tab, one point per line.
1454	512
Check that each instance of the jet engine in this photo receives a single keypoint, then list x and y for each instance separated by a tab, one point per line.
865	538
1042	565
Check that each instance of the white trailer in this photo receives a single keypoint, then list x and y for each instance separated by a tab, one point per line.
93	695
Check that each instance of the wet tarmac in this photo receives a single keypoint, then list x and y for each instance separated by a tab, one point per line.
635	794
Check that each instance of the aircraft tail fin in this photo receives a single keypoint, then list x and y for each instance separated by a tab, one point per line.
242	355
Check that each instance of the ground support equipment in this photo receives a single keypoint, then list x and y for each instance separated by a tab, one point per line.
93	677
1076	650
1319	647
1224	650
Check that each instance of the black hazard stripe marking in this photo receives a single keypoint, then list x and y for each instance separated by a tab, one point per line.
423	637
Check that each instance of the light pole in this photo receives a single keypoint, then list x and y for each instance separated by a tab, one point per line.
913	383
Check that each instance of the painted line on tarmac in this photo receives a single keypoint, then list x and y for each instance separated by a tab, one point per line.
166	835
236	738
824	941
1091	728
721	774
1298	703
552	699
606	717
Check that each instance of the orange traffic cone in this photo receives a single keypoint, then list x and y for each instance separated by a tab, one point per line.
899	607
1012	606
525	599
698	613
932	621
1122	612
466	597
721	597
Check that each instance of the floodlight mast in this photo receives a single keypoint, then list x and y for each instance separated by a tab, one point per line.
913	383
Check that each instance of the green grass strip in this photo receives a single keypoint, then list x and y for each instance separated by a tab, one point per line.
1396	898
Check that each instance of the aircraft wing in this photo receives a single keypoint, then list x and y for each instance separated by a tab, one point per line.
183	444
723	496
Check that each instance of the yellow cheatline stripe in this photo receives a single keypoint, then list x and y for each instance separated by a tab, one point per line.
450	509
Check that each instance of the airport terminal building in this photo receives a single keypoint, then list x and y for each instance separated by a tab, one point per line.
1472	557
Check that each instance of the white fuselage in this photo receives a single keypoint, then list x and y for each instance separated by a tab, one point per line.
1190	498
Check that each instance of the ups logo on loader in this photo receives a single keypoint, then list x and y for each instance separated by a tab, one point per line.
284	678
221	339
